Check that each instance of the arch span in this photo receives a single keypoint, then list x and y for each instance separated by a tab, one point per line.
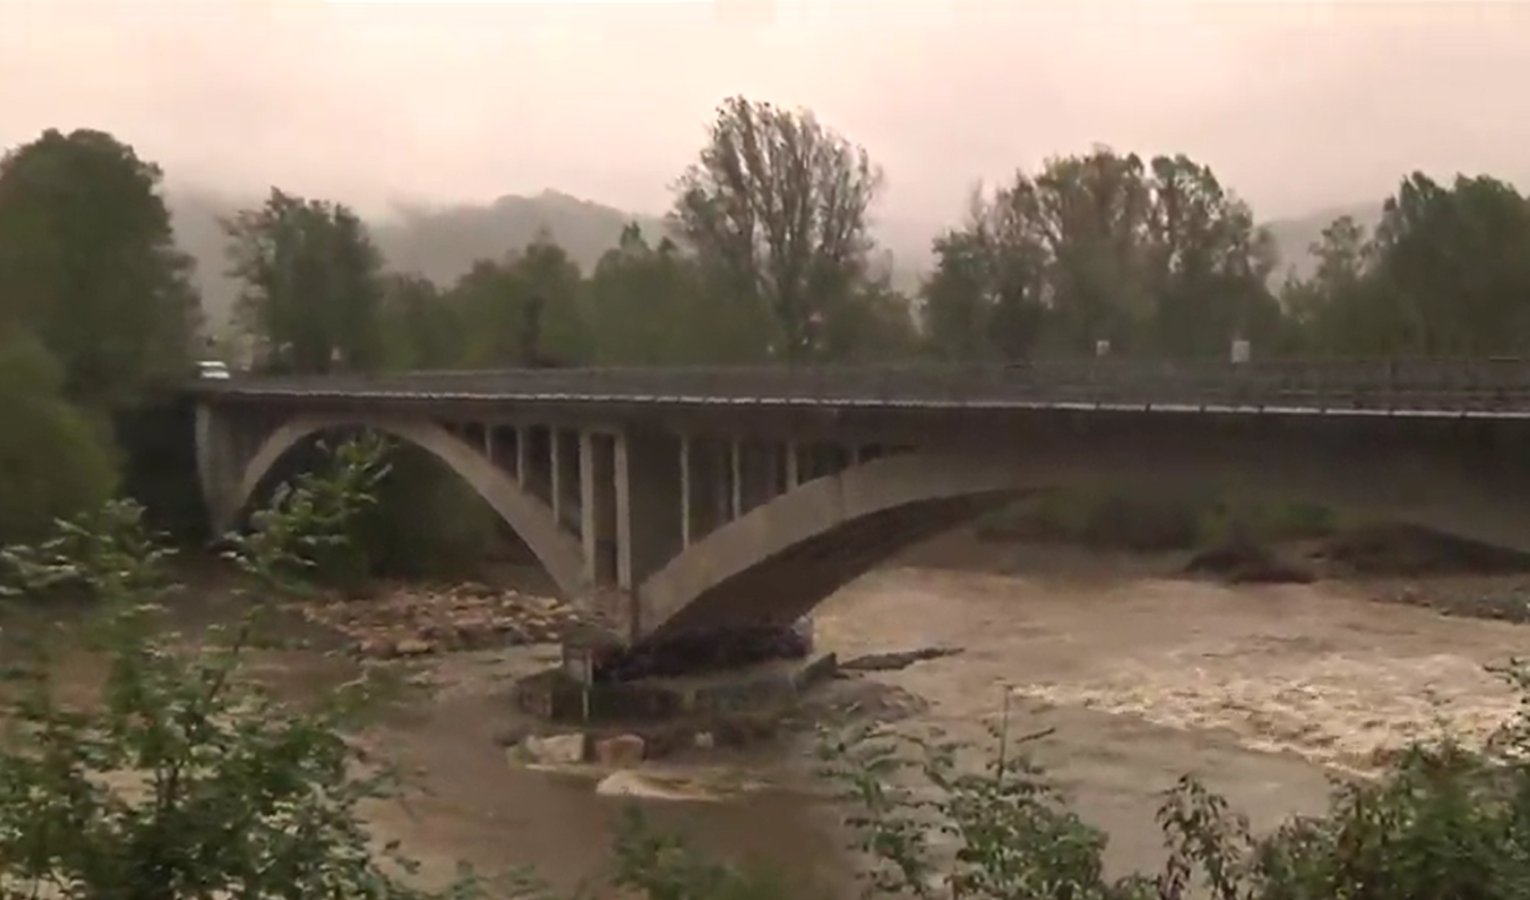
558	551
780	559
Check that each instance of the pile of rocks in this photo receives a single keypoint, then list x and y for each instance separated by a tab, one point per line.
415	621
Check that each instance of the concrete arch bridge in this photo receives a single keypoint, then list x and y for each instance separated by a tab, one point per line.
670	501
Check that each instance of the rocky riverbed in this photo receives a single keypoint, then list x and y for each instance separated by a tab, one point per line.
402	620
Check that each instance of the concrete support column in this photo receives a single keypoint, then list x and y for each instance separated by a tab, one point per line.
685	491
555	466
597	509
488	443
522	438
219	465
623	467
722	491
736	501
793	460
587	505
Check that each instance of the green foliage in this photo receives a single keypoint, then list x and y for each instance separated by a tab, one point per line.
654	306
523	311
53	460
419	329
662	867
775	210
1442	823
1447	273
183	778
1154	258
1146	520
307	529
88	264
313	284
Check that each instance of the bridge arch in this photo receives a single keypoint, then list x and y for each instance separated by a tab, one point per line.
558	551
779	560
782	558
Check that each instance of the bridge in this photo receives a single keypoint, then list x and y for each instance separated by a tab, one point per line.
673	500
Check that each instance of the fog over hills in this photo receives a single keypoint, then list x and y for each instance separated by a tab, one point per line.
1295	236
442	242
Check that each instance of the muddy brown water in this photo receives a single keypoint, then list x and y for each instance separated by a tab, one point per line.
1266	692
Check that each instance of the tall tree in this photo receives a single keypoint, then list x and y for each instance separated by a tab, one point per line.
1155	258
775	207
1457	261
1447	272
312	284
88	263
1210	266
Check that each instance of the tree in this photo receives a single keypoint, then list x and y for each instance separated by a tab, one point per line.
775	209
1091	214
1210	263
53	462
88	263
1457	263
987	295
420	329
313	288
1447	272
1155	258
651	306
524	311
1336	309
876	324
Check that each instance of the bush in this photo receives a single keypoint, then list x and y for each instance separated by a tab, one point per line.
1443	823
185	779
1147	521
53	460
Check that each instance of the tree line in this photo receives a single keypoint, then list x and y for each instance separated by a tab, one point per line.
769	257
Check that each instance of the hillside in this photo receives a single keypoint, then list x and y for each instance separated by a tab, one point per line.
440	243
1295	237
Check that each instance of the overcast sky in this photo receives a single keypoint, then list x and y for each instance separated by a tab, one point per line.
1298	106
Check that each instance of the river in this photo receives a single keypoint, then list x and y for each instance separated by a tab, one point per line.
1265	692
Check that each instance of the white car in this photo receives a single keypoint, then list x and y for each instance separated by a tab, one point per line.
211	368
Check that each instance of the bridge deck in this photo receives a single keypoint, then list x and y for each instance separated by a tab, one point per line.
1469	388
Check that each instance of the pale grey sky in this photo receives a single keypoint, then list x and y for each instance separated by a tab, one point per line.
1296	105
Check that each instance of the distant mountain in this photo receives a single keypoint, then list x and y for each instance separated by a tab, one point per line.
1294	237
440	243
443	243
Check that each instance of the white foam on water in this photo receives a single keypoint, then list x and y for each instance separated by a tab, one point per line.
1338	709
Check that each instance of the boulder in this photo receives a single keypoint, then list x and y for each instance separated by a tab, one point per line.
413	647
555	749
621	752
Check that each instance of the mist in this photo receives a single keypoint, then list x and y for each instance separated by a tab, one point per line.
1297	106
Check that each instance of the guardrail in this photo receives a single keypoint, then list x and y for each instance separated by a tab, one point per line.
1481	386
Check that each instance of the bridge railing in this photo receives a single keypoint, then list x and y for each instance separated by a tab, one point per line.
1493	384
